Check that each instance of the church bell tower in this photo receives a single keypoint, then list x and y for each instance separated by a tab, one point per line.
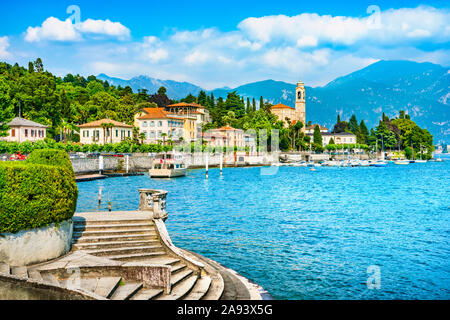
300	107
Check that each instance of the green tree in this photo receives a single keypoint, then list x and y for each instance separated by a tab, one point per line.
6	107
317	136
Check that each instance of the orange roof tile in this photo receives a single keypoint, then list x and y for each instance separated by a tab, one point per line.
98	123
184	104
281	106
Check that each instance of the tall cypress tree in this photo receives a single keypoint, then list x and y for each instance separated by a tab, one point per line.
261	102
254	104
364	132
317	135
353	124
248	105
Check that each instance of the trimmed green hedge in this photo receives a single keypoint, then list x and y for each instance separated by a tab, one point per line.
51	157
34	193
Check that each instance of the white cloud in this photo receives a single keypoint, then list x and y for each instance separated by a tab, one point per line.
54	29
395	25
105	27
158	55
196	57
314	48
4	45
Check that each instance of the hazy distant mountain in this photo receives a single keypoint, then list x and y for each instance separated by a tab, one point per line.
422	89
175	90
386	86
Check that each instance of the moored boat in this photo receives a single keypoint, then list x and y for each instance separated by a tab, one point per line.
168	165
401	162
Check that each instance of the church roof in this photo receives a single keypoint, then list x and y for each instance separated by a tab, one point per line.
281	106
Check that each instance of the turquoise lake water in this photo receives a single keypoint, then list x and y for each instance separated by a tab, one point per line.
309	235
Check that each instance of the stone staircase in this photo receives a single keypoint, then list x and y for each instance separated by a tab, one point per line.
136	240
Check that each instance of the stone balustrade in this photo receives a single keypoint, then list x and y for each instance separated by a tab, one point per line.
154	201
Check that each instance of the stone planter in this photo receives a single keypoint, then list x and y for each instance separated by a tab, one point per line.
36	245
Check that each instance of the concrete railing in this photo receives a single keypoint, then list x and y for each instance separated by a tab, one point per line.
154	201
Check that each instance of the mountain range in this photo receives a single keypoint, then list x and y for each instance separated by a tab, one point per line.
421	89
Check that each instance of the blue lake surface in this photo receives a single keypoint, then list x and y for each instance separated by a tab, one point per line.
309	235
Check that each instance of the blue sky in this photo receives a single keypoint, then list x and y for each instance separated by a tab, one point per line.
224	43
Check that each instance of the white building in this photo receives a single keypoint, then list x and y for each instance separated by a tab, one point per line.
105	131
225	137
25	130
310	129
159	125
338	138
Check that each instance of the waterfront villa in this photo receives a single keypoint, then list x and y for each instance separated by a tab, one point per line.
105	131
25	130
298	113
339	138
310	129
156	123
195	116
225	137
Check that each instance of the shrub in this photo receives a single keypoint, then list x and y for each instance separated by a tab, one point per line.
34	194
51	157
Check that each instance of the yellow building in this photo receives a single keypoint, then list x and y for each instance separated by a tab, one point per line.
298	113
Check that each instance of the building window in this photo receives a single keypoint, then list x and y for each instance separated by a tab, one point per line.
159	123
117	133
129	133
26	132
159	134
152	134
152	123
13	132
145	124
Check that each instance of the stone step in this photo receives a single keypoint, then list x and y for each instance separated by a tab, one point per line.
35	275
88	284
181	289
104	227
164	260
136	256
124	251
180	276
5	268
50	278
21	272
126	291
115	244
200	289
130	237
81	221
147	294
101	233
177	267
106	286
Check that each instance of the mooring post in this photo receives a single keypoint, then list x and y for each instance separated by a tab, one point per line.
206	166
99	195
100	164
221	163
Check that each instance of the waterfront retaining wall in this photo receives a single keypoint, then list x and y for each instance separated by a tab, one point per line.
142	162
36	245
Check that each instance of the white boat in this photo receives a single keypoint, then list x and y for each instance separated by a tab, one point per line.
168	165
402	162
420	161
300	164
364	163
